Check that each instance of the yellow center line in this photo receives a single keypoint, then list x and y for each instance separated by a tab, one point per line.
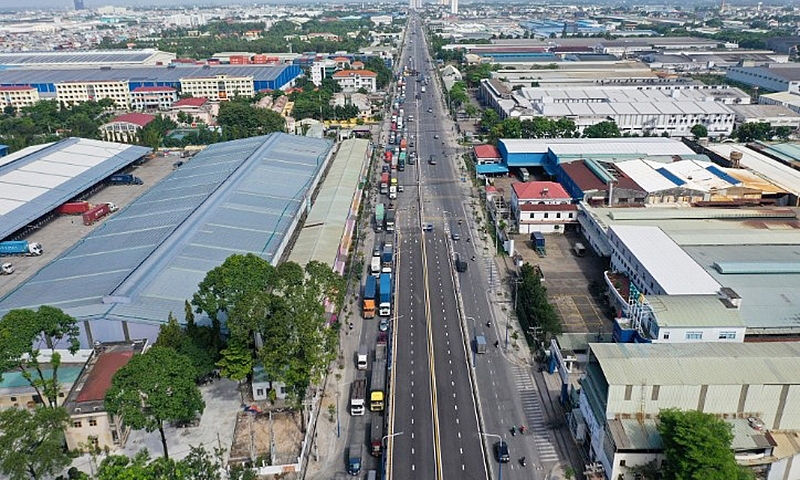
431	366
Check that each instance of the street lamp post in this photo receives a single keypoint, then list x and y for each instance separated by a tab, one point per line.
338	425
500	462
475	336
385	437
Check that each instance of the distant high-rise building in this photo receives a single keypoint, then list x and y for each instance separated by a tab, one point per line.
454	7
415	4
79	5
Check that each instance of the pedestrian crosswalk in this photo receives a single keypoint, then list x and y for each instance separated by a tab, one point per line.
534	415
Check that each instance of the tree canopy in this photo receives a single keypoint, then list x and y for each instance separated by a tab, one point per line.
153	388
533	308
606	129
31	442
538	127
240	119
697	446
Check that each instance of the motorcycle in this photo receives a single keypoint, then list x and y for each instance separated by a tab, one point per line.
522	462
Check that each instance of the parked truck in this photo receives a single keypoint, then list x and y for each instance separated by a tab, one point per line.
125	179
385	307
368	299
6	269
387	256
21	247
376	436
358	397
354	456
377	386
379	214
390	219
96	213
74	208
385	183
375	266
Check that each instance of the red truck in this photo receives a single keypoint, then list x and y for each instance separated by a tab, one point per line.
96	213
387	157
74	208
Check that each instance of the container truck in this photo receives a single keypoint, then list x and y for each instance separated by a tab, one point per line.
377	386
385	289
375	266
379	212
96	213
403	145
368	300
21	247
385	183
6	269
401	161
390	220
394	161
480	343
74	208
354	456
387	157
387	258
125	179
376	437
358	397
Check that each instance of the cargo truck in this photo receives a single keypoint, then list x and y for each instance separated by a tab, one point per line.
368	299
358	397
386	258
379	211
390	219
480	343
385	307
354	456
376	436
74	208
21	247
125	179
385	183
377	386
6	269
375	266
96	213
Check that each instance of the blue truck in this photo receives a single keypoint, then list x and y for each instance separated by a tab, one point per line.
20	247
385	289
368	305
387	255
125	179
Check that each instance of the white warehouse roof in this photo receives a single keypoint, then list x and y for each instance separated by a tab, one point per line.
650	146
772	170
665	261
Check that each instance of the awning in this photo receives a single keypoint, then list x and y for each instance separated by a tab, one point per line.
491	168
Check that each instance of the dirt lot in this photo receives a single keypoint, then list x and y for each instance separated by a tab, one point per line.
64	231
256	432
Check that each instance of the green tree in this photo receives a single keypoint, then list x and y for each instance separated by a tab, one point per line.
23	332
200	464
241	120
236	362
31	442
532	307
196	348
489	119
605	129
699	131
697	446
751	131
153	388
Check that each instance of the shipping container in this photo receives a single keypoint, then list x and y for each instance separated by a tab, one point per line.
74	208
96	213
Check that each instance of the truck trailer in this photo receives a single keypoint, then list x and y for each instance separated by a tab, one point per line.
358	396
125	179
387	256
96	213
385	183
74	208
390	219
385	307
377	386
379	214
21	247
376	436
375	266
368	299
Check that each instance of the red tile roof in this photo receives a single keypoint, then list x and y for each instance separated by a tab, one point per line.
586	180
153	89
487	151
535	190
141	119
17	89
341	59
191	102
100	376
350	73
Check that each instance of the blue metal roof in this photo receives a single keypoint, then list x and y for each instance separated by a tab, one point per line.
491	168
719	173
243	196
34	184
670	176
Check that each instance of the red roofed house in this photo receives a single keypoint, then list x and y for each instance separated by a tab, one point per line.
153	98
542	207
18	97
585	184
125	128
486	154
90	424
199	110
353	80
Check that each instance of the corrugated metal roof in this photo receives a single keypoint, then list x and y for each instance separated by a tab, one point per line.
241	196
104	57
599	146
699	363
772	170
693	311
39	181
663	259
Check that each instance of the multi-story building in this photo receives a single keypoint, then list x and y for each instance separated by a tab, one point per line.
542	207
90	424
125	128
322	69
18	97
79	92
218	87
153	98
198	110
776	77
353	80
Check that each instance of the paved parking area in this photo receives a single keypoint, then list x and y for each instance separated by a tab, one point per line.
568	279
65	230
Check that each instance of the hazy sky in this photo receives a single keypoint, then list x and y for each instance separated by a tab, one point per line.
67	4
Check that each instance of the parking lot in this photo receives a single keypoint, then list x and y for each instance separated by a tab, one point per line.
569	281
64	231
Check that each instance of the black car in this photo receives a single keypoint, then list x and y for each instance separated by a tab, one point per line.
501	451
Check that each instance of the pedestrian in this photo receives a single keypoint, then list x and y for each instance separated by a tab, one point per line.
351	325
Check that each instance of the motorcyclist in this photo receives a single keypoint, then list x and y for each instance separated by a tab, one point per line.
489	323
513	431
522	461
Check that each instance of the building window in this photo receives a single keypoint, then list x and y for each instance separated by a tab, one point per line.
76	424
13	399
694	335
622	463
727	335
666	336
628	391
92	422
654	394
259	392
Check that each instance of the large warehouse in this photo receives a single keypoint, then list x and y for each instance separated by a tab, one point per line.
84	59
122	280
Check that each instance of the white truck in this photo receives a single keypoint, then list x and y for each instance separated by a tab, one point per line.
375	266
6	269
358	395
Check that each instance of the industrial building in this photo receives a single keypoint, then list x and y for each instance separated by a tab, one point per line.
85	59
36	180
124	278
775	77
750	386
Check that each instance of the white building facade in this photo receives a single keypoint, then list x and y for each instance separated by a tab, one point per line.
219	87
